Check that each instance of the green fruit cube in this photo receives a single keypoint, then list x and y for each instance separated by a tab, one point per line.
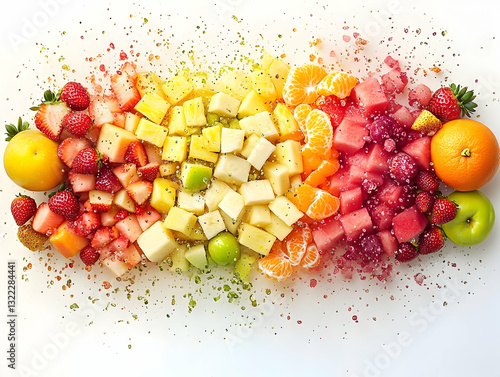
195	177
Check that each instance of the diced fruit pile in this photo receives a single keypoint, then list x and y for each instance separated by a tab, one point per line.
281	168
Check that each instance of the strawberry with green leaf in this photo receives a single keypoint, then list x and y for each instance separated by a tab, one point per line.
452	102
50	115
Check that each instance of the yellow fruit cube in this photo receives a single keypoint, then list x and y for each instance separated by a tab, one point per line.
257	192
157	242
179	262
151	132
215	193
261	82
277	174
177	123
169	168
249	145
258	215
232	169
212	223
197	150
266	126
174	148
177	89
250	126
265	60
285	210
230	223
194	112
191	202
278	228
252	104
153	106
231	140
235	84
149	82
288	154
287	125
223	105
278	70
123	201
260	153
131	121
232	204
180	220
255	238
212	138
163	195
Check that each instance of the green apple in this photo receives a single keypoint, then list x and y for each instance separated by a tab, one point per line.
474	220
224	249
195	177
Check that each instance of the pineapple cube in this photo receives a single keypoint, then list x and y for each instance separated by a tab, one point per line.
262	151
180	220
278	228
265	60
278	70
177	89
169	168
231	224
197	150
66	241
235	84
197	256
224	105
212	138
151	132
194	112
257	192
123	201
163	195
174	148
153	106
258	215
261	82
215	193
157	243
255	238
288	126
177	124
249	145
232	204
131	121
277	174
266	126
149	82
288	154
179	262
252	104
231	140
191	202
285	210
212	223
113	142
295	180
232	169
250	126
205	86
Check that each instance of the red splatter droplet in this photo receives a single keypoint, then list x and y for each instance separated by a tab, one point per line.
313	283
355	35
299	322
346	38
102	68
355	318
112	45
123	56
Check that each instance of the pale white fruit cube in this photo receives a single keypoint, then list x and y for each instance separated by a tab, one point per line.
262	151
295	180
255	238
232	169
258	215
212	223
266	126
197	256
278	228
192	202
116	266
249	145
288	154
231	140
257	192
232	204
250	126
277	174
156	242
285	210
123	201
223	105
215	193
232	224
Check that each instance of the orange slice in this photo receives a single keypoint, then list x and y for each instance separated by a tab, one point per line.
316	203
319	132
300	114
276	265
326	169
296	244
338	84
311	257
300	84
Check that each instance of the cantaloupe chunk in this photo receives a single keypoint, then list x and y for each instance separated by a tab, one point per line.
113	142
67	242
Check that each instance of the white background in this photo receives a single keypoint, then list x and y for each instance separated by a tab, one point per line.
448	326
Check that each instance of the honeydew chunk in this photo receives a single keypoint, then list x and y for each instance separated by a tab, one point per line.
277	175
255	238
285	210
212	138
232	204
278	70
257	192
232	224
252	104
131	122
287	124
262	84
180	220
215	193
295	180
197	256
195	177
177	123
163	195
258	215
169	168
123	201
177	88
191	202
278	228
179	262
266	126
249	145
174	148
288	154
262	151
250	126
151	132
194	112
212	223
149	82
224	105
153	106
235	84
231	140
197	150
113	142
232	169
157	243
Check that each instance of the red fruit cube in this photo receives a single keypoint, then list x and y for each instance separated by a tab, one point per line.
391	62
126	174
391	194
420	150
370	96
350	136
148	217
129	227
351	200
339	182
130	255
327	234
45	221
356	223
103	236
403	116
389	243
409	224
378	157
81	182
108	218
382	215
394	81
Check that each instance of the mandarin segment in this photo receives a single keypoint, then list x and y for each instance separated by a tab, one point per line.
338	84
311	257
300	85
296	244
300	114
276	264
319	132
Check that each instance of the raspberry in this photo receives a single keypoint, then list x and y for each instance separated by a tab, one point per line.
406	252
403	168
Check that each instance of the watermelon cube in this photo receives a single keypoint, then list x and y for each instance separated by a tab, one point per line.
403	116
377	159
409	224
129	227
350	136
339	182
389	243
108	218
81	182
394	81
130	255
391	194
351	200
45	221
356	223
382	215
370	96
420	150
148	217
327	234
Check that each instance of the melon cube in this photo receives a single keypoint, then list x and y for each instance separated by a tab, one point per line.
215	193
327	234
157	243
277	175
356	223
351	200
388	241
255	238
369	95
197	256
288	154
66	242
81	182
403	116
394	81
224	105
116	266
212	223
350	136
130	227
391	194
148	217
277	227
108	218
382	215
420	150
126	174
231	140
409	224
113	142
123	201
378	157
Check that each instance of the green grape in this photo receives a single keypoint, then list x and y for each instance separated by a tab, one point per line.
224	249
212	119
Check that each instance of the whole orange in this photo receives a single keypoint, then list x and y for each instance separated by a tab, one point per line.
465	154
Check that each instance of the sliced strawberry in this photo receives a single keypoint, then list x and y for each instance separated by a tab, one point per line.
140	191
81	182
123	87
120	215
149	172
101	109
86	223
107	181
126	174
103	236
100	201
136	154
45	221
130	69
49	119
69	148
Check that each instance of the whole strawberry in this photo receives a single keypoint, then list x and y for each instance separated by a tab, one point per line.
64	203
443	211
431	240
425	202
23	208
77	124
87	161
89	255
451	102
107	181
427	181
406	252
75	96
